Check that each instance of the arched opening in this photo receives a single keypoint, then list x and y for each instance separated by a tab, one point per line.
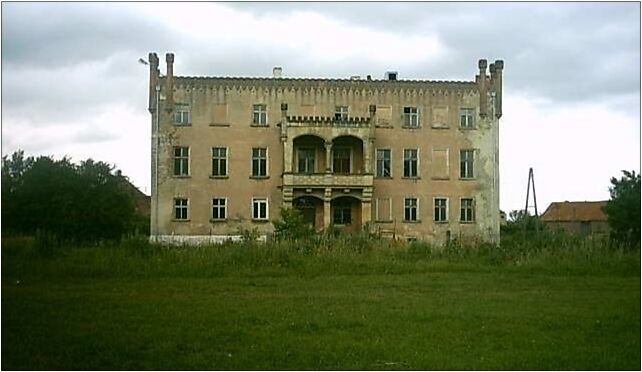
347	155
346	213
309	154
311	209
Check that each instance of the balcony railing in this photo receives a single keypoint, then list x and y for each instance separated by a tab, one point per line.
327	180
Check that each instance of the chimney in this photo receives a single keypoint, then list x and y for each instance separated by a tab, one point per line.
277	72
169	82
497	84
153	80
391	75
483	91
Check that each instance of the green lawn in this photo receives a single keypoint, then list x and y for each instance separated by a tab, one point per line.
424	315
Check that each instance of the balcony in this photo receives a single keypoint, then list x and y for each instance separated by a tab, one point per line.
327	127
327	180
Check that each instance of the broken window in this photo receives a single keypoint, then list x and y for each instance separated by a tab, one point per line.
383	163
466	163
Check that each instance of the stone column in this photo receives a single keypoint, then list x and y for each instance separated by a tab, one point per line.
328	157
367	155
287	155
366	212
327	216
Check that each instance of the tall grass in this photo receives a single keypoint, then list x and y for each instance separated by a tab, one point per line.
319	255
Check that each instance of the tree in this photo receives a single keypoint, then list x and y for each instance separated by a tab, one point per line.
78	203
291	225
623	209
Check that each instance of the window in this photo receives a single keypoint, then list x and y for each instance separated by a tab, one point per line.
410	209
181	114
306	160
219	208
259	116
181	161
410	117
341	160
259	162
260	208
441	210
466	161
341	113
342	213
383	163
467	210
219	161
410	162
180	209
467	118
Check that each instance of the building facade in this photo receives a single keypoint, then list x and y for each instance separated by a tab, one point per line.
402	158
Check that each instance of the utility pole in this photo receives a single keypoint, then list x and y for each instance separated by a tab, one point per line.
531	181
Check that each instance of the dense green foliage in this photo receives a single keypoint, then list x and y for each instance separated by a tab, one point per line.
331	302
291	226
623	210
61	201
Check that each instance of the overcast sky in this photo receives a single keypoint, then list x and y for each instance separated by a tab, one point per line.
71	84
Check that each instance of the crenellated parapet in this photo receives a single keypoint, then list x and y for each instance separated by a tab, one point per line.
323	121
337	87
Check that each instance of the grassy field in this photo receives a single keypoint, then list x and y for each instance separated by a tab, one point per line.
351	304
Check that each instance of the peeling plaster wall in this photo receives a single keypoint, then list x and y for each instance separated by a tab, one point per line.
221	115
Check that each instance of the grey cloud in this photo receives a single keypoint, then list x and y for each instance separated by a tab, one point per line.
60	34
564	51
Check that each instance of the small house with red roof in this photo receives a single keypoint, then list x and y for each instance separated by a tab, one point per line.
579	217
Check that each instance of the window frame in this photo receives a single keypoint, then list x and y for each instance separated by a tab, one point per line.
334	152
223	207
260	115
177	207
437	217
378	217
408	117
471	207
259	159
409	160
258	200
340	113
409	209
384	161
219	159
299	163
342	207
181	162
185	112
466	164
469	114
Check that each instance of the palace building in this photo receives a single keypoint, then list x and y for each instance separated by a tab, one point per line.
409	159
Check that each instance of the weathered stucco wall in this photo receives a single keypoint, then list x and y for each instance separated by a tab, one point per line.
221	116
